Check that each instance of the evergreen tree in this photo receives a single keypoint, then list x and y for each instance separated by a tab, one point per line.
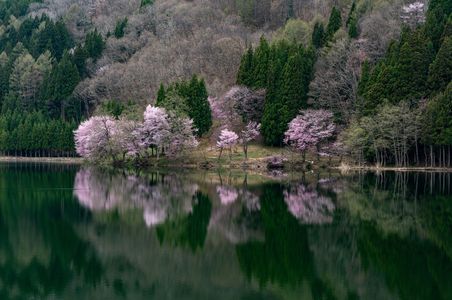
351	14
362	87
94	44
353	28
273	126
318	35
146	2
4	75
437	16
334	23
79	59
437	128
441	68
199	107
59	85
402	75
416	54
246	69
120	28
161	94
260	64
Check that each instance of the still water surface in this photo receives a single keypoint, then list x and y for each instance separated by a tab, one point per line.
69	232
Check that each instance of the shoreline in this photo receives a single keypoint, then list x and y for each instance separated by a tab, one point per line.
54	160
396	169
251	165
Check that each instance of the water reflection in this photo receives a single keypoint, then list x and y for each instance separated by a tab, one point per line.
84	233
308	206
41	253
161	197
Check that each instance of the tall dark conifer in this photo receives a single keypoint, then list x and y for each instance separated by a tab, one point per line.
245	75
334	23
318	35
260	65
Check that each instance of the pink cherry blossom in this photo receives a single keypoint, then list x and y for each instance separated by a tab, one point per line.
309	129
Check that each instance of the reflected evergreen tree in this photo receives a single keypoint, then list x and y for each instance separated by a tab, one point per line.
189	231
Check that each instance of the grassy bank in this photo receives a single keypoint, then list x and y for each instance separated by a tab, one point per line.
207	157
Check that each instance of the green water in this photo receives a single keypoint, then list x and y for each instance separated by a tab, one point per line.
69	232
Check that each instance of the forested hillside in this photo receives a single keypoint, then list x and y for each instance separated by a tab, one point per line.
382	68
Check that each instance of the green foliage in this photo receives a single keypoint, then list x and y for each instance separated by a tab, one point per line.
59	85
351	14
334	23
189	231
318	35
437	15
38	35
285	70
16	8
113	108
120	28
283	259
161	94
437	119
245	74
189	98
260	65
402	75
79	59
146	3
441	68
94	44
34	134
295	31
352	22
175	103
353	28
118	109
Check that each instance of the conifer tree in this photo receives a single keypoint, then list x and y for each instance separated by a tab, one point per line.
351	14
246	70
160	95
353	28
416	54
334	23
293	92
437	17
94	44
59	85
272	129
318	35
352	22
199	107
441	68
79	59
260	65
120	28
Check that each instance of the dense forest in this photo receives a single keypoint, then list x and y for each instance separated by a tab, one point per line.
365	79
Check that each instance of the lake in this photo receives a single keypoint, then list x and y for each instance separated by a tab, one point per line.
74	232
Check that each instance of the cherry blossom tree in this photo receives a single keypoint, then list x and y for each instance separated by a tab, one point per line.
103	137
123	140
93	138
309	129
226	140
250	133
181	135
154	133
